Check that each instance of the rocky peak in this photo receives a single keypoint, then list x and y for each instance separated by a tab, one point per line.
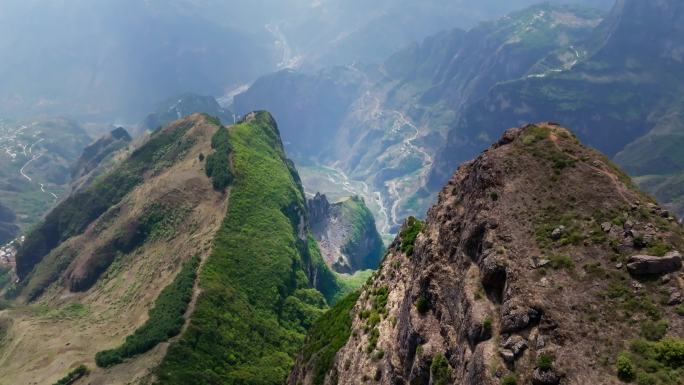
523	271
346	233
319	209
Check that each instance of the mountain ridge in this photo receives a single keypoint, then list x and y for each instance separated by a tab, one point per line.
527	260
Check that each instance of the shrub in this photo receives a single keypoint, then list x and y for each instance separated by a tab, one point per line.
487	326
534	134
679	310
625	367
440	371
653	331
422	304
218	162
561	262
658	248
494	196
73	376
544	362
644	378
409	234
670	352
509	379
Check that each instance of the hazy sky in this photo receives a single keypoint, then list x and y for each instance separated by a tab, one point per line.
106	59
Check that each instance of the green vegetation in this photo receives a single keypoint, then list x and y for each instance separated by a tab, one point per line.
158	221
351	283
409	234
625	367
658	247
364	242
532	139
623	298
440	371
165	319
70	311
218	162
545	362
679	309
509	379
487	326
552	218
653	331
73	376
374	315
422	304
535	134
561	262
73	215
246	329
655	363
327	336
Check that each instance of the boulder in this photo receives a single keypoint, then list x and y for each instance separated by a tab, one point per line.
545	377
558	232
507	356
606	227
515	344
675	298
516	317
653	265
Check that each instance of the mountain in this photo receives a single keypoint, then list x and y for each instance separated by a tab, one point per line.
182	106
98	157
346	233
35	160
119	56
382	125
198	230
622	97
398	130
540	263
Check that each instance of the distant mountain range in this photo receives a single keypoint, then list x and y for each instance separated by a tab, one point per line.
118	58
451	94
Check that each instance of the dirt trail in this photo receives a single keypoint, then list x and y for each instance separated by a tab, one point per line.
614	180
197	290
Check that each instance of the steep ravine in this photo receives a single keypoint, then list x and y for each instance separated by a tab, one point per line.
531	268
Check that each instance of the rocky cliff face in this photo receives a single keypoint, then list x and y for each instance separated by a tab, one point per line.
346	233
540	263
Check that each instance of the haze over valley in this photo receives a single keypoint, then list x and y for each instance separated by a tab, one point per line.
327	192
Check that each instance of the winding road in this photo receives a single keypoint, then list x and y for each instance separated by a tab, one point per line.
32	158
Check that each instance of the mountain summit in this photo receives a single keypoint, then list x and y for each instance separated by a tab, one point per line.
541	263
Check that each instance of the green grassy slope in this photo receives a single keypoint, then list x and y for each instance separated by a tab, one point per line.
256	300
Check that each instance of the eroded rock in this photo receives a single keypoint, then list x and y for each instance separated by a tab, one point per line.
653	265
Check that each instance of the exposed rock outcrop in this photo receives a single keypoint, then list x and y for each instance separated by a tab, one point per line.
654	265
346	233
461	302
